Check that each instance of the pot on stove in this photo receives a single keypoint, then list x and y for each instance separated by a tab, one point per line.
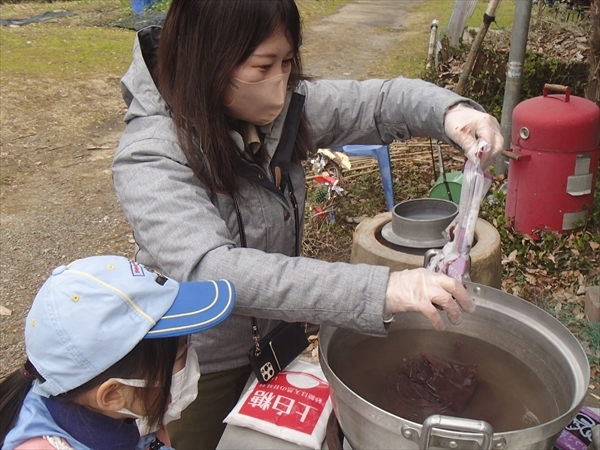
420	223
533	377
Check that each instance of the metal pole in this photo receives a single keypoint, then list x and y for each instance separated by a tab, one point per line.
432	45
488	17
512	92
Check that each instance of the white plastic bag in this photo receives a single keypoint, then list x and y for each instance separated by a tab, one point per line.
294	406
453	260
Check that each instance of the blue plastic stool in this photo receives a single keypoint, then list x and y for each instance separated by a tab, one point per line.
382	154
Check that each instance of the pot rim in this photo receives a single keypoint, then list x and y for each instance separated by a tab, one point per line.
448	211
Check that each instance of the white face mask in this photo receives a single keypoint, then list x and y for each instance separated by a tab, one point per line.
184	387
184	390
258	103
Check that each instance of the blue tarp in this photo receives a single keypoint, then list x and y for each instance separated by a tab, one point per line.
39	18
139	6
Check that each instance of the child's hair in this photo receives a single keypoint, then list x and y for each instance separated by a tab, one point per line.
139	363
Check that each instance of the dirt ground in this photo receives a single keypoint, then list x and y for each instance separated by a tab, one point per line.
56	196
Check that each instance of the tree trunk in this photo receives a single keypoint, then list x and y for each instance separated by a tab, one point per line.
592	91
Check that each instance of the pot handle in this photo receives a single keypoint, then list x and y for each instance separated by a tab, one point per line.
469	430
430	254
434	251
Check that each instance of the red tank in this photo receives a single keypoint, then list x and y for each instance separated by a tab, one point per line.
553	166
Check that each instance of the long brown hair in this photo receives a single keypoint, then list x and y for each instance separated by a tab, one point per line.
202	41
151	360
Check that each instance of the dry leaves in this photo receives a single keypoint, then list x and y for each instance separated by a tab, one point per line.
311	353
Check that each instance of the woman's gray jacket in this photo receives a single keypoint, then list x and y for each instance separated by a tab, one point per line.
189	233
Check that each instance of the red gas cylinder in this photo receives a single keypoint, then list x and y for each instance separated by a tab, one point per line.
553	166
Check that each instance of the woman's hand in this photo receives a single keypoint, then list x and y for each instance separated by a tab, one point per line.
468	127
423	291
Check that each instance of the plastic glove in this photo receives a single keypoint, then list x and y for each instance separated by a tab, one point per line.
423	291
467	127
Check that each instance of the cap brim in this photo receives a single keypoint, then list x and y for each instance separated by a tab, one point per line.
199	305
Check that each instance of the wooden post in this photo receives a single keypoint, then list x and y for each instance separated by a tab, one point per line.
488	17
592	91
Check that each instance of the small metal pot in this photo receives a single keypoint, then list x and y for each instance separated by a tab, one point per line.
513	325
419	223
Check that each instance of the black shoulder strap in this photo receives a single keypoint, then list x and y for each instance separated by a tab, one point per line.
280	163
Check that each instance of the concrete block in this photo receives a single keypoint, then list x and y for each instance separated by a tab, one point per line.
592	303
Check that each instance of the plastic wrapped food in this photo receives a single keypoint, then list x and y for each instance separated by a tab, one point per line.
429	384
453	259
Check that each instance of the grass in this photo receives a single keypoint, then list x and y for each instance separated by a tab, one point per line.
64	53
408	59
76	47
70	48
80	7
311	9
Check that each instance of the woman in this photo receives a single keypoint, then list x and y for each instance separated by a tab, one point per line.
208	173
107	343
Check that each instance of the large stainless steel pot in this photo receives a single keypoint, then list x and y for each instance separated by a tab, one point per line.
503	320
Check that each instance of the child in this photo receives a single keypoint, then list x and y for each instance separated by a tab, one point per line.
106	342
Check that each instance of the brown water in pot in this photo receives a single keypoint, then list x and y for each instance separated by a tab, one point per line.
507	395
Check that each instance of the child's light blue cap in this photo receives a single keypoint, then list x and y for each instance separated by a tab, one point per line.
90	314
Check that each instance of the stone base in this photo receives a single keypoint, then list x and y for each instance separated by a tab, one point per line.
486	254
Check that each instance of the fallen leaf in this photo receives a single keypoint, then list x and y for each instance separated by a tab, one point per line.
5	311
570	297
511	257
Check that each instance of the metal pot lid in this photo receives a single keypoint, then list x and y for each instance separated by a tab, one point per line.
388	234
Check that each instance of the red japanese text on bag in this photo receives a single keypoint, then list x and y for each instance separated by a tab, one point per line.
293	406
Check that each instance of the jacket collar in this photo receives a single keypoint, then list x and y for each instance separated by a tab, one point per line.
93	429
